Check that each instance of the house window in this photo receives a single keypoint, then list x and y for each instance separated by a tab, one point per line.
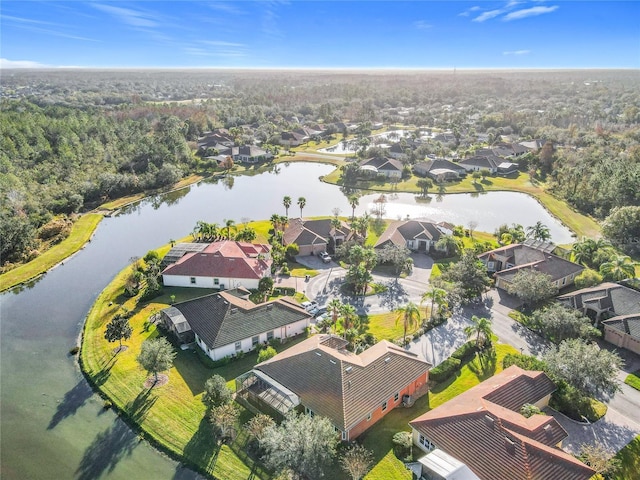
564	281
269	336
238	346
216	281
254	341
384	405
193	280
491	265
344	436
426	443
368	417
396	396
310	412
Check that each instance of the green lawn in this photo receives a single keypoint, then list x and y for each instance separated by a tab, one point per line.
633	380
378	438
383	326
81	232
630	458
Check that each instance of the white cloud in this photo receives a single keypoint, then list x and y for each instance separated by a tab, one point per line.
422	25
517	52
529	12
226	8
219	43
6	63
129	16
466	13
488	15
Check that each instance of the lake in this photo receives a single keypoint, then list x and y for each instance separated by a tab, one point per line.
51	425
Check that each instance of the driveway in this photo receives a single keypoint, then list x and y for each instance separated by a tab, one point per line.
440	342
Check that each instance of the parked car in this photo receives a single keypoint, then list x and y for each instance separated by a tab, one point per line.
324	256
311	307
320	311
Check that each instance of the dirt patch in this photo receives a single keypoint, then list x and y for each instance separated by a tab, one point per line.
161	382
117	350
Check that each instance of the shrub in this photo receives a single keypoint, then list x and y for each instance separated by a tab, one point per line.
527	410
402	443
526	362
266	353
465	352
74	350
445	370
107	404
216	392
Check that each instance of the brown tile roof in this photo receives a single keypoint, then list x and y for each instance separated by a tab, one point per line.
482	428
313	232
399	232
223	318
340	385
224	259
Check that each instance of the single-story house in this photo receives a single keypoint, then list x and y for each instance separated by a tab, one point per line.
181	249
292	139
389	167
398	152
316	236
224	264
226	323
250	154
484	429
439	169
477	163
505	262
416	235
616	306
321	377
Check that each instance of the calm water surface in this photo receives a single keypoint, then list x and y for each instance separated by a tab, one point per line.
51	425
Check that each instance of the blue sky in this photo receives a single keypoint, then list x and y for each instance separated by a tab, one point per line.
327	34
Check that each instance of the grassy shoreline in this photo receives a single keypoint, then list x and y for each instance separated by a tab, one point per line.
81	232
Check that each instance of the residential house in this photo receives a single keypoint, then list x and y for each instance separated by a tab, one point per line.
251	154
439	169
533	145
477	163
292	139
226	323
505	262
616	306
316	236
416	235
398	152
224	264
321	377
389	167
484	429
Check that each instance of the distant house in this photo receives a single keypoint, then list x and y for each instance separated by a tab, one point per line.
483	429
439	169
251	154
506	262
389	167
320	376
316	236
533	145
481	162
225	264
398	152
416	235
616	306
292	139
225	324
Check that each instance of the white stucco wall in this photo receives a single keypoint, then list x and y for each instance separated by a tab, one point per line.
209	282
286	331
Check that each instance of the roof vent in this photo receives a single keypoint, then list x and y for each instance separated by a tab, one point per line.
270	306
547	427
319	354
348	369
234	309
489	419
387	360
333	361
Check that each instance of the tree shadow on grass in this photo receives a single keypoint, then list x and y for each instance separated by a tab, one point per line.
202	449
72	401
140	406
106	450
484	365
394	296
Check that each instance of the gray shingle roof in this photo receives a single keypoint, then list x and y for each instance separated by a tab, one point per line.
399	232
222	319
340	385
620	300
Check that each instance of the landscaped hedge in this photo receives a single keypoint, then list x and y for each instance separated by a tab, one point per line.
465	352
445	369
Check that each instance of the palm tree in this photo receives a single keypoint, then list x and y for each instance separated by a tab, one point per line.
539	231
449	244
410	316
481	327
334	307
286	201
336	223
349	316
301	203
354	202
437	296
228	224
620	268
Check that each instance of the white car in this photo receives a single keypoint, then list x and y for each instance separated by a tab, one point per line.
324	256
311	307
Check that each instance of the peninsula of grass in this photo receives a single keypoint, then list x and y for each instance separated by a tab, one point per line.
81	233
629	457
581	225
171	417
